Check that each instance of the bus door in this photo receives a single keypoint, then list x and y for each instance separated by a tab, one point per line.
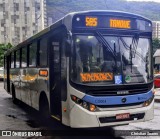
55	79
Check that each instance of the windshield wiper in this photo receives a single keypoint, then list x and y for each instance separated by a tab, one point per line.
101	39
135	41
105	43
131	56
128	48
133	48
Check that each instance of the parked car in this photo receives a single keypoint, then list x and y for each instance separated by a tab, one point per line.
157	80
1	73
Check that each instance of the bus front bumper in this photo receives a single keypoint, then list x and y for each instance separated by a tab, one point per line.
82	118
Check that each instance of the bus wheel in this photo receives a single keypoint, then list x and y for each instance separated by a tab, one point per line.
44	108
14	99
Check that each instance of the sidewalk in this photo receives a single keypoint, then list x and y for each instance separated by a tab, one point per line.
157	95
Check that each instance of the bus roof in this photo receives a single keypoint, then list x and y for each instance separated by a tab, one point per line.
63	21
110	12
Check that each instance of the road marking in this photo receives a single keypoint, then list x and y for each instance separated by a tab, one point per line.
1	105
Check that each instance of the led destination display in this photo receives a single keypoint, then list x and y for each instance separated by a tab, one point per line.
110	22
115	23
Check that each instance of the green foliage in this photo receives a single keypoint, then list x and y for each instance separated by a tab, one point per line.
155	44
3	48
58	8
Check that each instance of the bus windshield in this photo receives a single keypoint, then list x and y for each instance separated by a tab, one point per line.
100	60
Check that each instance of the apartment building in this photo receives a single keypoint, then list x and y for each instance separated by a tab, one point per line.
156	29
20	19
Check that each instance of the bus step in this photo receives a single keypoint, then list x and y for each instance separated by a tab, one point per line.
57	117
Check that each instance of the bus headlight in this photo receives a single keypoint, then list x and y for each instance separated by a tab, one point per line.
148	102
84	104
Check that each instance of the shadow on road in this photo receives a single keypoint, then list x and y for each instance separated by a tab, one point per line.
55	128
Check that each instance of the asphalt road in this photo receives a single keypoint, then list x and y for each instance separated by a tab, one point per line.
22	117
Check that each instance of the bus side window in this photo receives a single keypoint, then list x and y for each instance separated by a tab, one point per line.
33	55
12	60
24	57
17	59
56	56
43	52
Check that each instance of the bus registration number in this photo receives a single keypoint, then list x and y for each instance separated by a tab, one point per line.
122	116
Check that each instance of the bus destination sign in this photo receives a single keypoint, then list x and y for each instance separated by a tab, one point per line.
91	21
112	22
119	23
95	77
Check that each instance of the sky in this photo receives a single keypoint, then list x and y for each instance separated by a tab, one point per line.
145	0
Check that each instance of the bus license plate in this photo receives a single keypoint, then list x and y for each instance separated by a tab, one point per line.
122	116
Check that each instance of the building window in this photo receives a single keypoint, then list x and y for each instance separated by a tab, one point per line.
43	52
33	55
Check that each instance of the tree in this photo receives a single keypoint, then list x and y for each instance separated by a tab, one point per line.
155	44
3	48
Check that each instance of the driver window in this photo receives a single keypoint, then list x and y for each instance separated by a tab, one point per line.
56	59
86	54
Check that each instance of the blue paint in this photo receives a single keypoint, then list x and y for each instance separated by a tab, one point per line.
117	100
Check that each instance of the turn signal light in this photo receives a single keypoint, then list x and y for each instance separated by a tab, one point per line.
65	110
92	107
43	73
74	98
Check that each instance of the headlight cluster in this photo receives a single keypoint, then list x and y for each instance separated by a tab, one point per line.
148	102
84	104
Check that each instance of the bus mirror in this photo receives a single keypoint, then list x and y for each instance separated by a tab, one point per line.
68	47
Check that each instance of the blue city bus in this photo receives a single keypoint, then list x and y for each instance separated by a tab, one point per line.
88	69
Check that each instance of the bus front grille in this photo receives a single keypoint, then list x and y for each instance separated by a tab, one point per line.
113	92
121	105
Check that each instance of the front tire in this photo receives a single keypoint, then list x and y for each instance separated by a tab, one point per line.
44	108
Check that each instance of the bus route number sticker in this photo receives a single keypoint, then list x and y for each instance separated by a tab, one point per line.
118	79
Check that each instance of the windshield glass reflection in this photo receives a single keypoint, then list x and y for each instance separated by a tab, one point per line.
111	60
